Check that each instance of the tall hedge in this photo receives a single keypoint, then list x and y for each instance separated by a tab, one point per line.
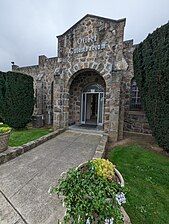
16	98
2	91
151	71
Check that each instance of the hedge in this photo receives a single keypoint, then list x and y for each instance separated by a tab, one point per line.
151	71
16	98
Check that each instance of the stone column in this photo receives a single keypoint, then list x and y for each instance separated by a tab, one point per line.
121	120
39	96
57	103
121	110
64	106
115	105
107	103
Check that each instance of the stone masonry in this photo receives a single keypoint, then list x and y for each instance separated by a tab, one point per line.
91	51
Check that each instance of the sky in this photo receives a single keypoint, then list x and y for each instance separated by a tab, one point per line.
28	28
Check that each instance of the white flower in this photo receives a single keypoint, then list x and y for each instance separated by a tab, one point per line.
88	221
120	198
109	221
50	191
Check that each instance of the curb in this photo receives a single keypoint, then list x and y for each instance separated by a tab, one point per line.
100	150
13	152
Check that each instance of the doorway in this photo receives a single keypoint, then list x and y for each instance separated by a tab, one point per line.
92	105
91	108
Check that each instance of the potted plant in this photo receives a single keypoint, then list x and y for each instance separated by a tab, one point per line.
4	137
92	193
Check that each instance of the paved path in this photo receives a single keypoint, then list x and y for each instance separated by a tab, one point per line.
24	181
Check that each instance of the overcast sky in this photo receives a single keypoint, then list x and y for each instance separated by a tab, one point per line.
28	28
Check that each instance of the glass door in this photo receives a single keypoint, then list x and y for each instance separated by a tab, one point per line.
83	108
100	107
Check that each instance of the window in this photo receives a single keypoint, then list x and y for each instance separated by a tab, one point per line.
135	102
93	88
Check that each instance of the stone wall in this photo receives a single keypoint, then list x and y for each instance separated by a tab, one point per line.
104	55
136	121
43	75
131	121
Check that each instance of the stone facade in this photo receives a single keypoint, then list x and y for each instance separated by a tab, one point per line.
91	51
135	121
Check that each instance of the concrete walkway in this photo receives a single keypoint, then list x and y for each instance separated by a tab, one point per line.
24	181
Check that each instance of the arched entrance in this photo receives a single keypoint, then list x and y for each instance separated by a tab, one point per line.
86	98
92	104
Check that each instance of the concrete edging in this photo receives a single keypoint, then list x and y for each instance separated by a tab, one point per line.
13	152
100	150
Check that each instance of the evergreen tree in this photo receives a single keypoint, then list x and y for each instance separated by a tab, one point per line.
151	71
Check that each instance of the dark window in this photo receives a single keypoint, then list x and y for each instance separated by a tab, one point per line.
135	100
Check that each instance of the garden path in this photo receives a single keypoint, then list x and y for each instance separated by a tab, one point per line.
25	180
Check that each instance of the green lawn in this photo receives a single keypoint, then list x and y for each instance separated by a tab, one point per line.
146	176
20	137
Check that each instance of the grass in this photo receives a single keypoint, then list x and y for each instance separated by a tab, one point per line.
146	176
20	137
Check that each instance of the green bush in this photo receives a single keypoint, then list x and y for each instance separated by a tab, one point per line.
90	197
4	130
16	99
1	120
151	71
2	92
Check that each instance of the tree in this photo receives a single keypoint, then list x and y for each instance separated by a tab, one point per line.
151	71
16	98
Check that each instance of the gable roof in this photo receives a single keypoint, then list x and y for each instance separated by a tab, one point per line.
92	16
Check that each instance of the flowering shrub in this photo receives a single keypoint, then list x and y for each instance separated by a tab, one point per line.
104	168
4	129
91	195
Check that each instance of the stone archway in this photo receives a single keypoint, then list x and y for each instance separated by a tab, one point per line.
64	109
77	83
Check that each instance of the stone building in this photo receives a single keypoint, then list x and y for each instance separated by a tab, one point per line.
90	81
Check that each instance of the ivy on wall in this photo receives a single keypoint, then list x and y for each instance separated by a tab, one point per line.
151	71
16	98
